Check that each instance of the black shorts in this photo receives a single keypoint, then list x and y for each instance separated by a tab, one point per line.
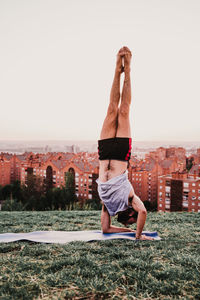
118	148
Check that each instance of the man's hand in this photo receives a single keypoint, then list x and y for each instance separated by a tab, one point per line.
145	238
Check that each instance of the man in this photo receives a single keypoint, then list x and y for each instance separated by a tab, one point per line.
115	190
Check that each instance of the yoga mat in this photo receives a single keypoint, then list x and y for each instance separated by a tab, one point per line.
63	237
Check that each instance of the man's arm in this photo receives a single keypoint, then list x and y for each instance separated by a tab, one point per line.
142	214
106	223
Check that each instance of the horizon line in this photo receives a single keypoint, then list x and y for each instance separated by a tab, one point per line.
92	140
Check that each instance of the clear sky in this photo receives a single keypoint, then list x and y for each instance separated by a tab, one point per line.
57	61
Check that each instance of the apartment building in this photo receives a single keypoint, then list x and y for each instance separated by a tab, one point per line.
139	181
16	162
4	170
143	176
53	170
198	155
179	192
195	157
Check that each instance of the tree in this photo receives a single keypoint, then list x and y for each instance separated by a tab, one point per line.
32	192
16	190
70	188
49	178
189	163
12	205
6	191
1	195
49	199
56	198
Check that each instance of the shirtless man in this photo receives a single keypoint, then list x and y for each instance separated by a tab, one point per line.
114	146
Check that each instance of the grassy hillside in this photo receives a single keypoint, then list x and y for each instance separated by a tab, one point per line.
117	269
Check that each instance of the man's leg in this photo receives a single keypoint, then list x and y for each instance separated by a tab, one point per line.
124	129
110	123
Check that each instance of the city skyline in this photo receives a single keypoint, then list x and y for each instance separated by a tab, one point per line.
57	63
150	175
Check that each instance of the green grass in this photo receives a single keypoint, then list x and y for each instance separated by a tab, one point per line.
117	269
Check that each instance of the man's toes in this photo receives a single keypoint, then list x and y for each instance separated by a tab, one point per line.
122	49
128	54
126	49
127	57
121	52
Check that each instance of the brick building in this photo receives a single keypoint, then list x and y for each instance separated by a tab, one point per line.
172	154
195	157
195	170
198	155
139	181
53	170
143	176
169	166
16	163
179	192
4	170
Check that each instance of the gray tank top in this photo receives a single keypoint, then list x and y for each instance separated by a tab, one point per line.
114	193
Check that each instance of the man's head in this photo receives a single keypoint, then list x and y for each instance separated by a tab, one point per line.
127	217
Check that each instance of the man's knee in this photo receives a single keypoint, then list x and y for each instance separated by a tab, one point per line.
112	111
124	111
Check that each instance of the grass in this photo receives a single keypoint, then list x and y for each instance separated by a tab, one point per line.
117	269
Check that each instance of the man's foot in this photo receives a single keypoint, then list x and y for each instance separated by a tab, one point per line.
119	63
127	59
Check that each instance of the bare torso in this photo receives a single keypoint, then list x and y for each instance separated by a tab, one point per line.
111	168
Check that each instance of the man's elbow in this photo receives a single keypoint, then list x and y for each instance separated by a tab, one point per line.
105	229
143	211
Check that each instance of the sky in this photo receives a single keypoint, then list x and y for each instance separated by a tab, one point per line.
57	61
